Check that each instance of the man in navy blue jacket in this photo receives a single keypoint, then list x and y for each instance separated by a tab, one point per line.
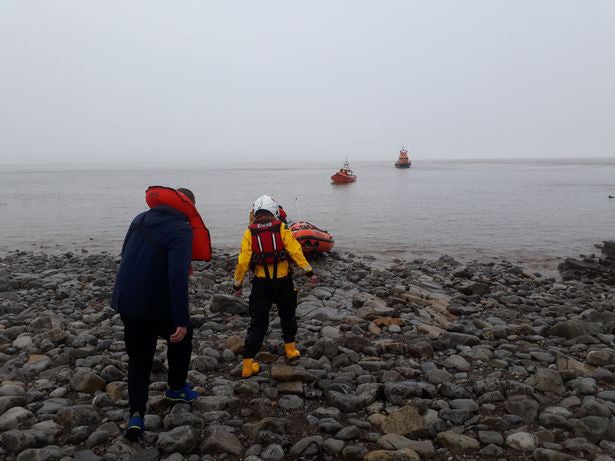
151	294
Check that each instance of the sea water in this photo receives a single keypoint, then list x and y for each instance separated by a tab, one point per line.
525	210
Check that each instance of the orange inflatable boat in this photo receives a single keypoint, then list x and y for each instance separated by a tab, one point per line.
201	241
311	238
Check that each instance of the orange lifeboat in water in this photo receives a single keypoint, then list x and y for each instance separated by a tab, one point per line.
345	175
312	239
403	161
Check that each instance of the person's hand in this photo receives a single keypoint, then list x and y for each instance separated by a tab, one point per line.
313	279
180	333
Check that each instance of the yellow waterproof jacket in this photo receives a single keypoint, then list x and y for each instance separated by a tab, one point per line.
293	248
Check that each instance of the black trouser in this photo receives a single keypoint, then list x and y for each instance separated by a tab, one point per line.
264	293
141	336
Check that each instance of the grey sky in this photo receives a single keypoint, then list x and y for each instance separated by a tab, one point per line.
208	82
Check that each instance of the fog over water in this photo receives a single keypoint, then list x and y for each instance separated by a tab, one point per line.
216	83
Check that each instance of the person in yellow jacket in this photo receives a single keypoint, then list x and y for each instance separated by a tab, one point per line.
267	248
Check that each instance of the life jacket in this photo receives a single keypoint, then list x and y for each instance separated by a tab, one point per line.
267	246
201	241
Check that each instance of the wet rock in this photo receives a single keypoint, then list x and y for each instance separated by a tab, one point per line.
273	452
181	439
547	380
37	363
522	441
348	403
23	342
306	447
215	403
97	438
600	358
397	442
399	392
219	439
291	402
16	418
455	417
405	454
573	366
77	415
85	380
180	416
456	362
48	453
356	452
40	324
594	428
607	395
205	363
333	446
228	304
406	420
329	425
110	373
290	387
348	433
574	328
394	441
86	455
492	451
579	444
16	441
324	347
526	409
544	454
421	349
490	437
457	442
438	376
453	391
583	386
287	373
475	288
455	339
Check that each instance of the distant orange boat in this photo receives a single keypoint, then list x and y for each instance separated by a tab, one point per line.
311	238
345	175
403	161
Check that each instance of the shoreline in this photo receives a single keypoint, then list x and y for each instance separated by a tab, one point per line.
406	359
534	260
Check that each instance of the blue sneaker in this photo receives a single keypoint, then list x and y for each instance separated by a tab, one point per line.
136	427
184	394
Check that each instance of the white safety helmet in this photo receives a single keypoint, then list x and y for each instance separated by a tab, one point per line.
265	202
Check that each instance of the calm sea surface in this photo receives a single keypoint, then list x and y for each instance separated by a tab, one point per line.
531	211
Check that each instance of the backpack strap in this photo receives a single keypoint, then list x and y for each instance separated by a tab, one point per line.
275	254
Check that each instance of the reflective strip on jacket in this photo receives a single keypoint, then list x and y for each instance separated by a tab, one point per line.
293	248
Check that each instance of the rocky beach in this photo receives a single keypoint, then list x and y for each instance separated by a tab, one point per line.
421	359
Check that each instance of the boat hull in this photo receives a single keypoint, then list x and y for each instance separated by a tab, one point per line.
312	239
402	165
342	178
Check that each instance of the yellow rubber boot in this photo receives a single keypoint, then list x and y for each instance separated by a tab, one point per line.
291	351
250	367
